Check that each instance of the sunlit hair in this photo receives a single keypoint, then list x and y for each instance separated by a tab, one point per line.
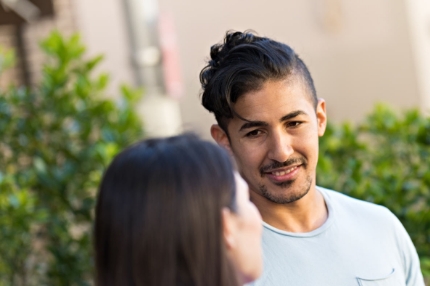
243	63
158	215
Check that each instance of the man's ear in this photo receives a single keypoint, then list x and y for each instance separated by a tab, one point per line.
228	228
219	135
321	116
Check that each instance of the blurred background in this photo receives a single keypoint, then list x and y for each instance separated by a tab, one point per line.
72	75
359	52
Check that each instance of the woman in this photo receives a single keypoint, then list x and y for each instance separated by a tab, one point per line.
174	212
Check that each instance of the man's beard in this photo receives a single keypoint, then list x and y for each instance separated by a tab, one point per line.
288	197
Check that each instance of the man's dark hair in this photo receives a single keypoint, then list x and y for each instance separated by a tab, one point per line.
159	215
243	63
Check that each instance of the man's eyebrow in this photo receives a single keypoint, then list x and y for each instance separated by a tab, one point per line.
251	124
292	115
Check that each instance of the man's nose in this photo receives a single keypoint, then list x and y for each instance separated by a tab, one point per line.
280	148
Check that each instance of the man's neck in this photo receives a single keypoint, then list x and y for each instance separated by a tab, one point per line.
303	215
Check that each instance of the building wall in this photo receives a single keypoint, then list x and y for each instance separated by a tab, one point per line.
63	21
11	75
33	34
103	29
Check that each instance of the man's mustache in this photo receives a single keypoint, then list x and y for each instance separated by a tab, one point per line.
277	165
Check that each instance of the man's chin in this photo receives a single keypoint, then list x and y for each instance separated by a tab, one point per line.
285	192
285	184
285	199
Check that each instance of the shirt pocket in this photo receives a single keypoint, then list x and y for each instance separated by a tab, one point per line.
390	279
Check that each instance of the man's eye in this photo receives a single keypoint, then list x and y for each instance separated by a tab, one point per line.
253	133
294	123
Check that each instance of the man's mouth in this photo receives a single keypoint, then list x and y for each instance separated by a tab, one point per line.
284	172
283	175
284	167
278	172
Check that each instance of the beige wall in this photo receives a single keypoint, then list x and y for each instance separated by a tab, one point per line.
359	52
103	28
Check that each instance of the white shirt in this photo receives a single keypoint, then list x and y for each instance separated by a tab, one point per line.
360	244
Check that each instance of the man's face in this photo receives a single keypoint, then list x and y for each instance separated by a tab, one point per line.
277	149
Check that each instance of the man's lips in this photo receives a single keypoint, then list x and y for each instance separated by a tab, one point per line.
283	174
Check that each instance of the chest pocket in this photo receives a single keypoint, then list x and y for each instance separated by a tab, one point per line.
388	280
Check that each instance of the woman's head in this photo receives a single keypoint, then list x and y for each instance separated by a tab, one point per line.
164	212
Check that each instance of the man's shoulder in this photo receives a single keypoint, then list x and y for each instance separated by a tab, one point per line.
344	204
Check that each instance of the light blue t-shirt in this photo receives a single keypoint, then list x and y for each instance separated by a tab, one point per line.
360	244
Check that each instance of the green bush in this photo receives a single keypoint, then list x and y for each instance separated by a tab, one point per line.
56	140
385	160
18	215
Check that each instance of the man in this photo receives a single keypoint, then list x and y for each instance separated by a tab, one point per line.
270	118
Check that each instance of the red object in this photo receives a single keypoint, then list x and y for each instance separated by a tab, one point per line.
170	56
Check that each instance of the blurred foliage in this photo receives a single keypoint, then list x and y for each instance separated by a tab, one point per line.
56	140
18	215
385	160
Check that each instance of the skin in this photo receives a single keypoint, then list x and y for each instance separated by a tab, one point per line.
276	151
242	233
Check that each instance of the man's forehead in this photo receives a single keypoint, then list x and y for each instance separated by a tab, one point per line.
257	106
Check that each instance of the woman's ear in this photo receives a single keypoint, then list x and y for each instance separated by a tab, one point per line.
229	228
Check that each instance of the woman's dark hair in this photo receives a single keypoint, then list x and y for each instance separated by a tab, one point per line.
243	63
158	215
